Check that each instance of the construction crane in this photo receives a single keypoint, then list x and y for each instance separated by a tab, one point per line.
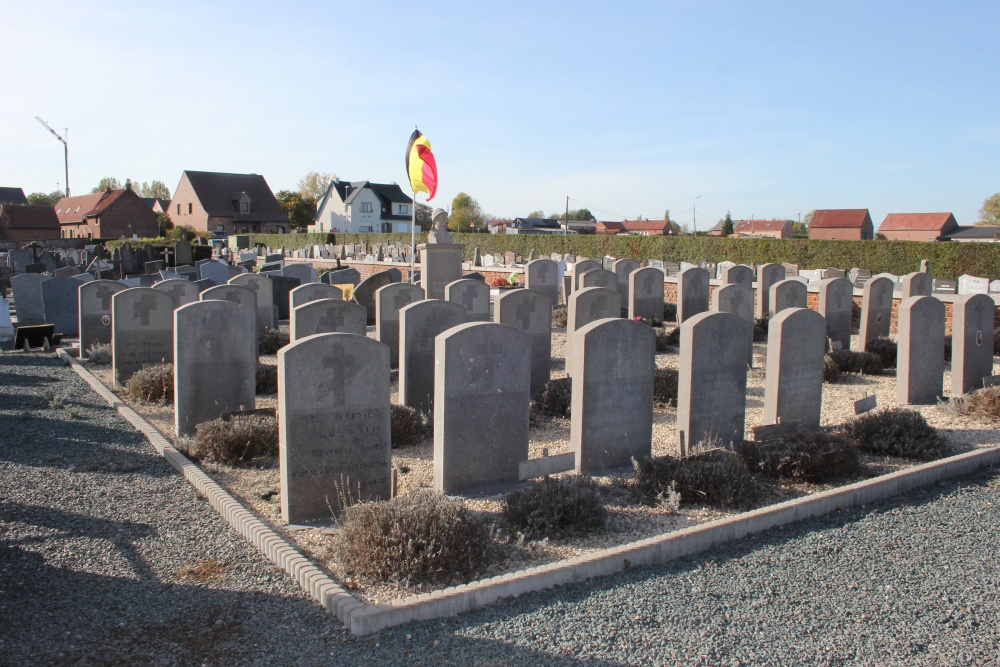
65	146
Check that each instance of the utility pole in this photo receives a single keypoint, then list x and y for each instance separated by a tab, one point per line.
566	219
65	146
694	215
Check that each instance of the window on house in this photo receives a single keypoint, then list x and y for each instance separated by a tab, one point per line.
178	209
246	207
404	209
366	207
190	208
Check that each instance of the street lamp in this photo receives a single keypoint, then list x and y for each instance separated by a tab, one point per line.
694	215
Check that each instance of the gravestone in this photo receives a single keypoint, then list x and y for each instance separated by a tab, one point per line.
915	284
692	293
836	273
34	268
153	268
66	272
835	304
588	305
542	275
920	350
600	278
711	398
364	293
6	326
611	418
473	295
971	342
244	296
183	254
202	285
263	288
27	289
95	312
788	293
791	270
215	360
341	277
793	386
304	272
388	301
972	285
736	298
19	259
182	292
876	310
321	316
141	330
623	268
942	286
481	400
489	260
738	274
419	324
215	271
61	302
861	277
281	288
311	292
440	264
767	275
645	294
581	267
529	311
334	427
509	258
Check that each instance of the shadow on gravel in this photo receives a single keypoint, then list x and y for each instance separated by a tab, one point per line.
18	380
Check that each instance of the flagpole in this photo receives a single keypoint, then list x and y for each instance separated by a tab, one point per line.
413	236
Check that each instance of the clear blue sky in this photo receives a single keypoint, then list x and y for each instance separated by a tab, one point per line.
765	109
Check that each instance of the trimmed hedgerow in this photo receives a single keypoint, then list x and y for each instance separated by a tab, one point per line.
885	350
237	440
408	426
151	384
715	477
666	383
420	537
272	340
554	507
849	361
831	371
896	432
267	379
555	399
807	457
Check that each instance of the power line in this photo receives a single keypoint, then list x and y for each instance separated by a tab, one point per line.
592	208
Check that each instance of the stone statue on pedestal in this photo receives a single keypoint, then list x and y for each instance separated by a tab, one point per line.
439	233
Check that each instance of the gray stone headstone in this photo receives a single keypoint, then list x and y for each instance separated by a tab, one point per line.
440	264
83	277
66	272
622	269
972	324
215	271
364	293
736	298
19	259
334	424
95	312
327	316
791	270
183	253
153	268
542	275
473	295
692	293
182	292
581	267
61	302
767	275
835	304
481	399
972	285
215	361
141	330
876	310
6	326
788	293
27	289
942	286
645	293
739	274
793	388
388	301
920	350
712	387
263	288
611	420
599	278
836	273
588	305
530	311
915	284
202	285
281	287
419	324
341	277
311	292
304	272
244	296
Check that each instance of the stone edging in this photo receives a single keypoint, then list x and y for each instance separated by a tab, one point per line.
364	619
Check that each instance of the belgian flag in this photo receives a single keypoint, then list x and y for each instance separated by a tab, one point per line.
420	165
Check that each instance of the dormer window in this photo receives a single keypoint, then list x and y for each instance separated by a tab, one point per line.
241	201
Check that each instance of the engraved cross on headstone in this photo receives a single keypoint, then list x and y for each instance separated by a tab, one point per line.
340	368
597	306
648	284
836	295
523	312
400	300
468	297
542	271
332	320
104	293
143	308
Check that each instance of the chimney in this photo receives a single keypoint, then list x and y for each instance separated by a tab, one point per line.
128	184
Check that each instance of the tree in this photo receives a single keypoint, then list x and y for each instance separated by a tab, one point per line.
107	182
800	230
164	222
989	214
536	214
313	185
301	210
580	214
466	214
42	199
424	221
155	190
809	217
727	224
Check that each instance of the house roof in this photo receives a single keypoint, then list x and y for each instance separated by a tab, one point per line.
74	209
151	202
917	222
534	223
29	217
839	218
978	232
759	226
388	194
611	225
645	225
12	196
216	192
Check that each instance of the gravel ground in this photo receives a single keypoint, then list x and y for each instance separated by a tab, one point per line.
109	558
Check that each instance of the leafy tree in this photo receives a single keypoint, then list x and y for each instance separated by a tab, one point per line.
536	214
164	222
301	210
466	214
809	218
314	184
424	221
107	182
800	230
156	190
579	215
42	199
989	214
727	224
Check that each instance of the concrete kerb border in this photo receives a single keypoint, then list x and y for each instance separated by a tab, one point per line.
363	619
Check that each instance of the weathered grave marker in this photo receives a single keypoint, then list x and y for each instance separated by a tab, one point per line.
835	304
692	293
327	316
972	341
788	293
95	312
920	350
767	275
793	388
645	294
876	310
587	305
419	324
529	311
473	295
141	330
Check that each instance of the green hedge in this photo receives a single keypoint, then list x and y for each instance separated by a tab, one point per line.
292	241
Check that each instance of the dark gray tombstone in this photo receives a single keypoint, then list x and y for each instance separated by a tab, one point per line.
767	275
61	301
419	324
739	274
364	293
244	296
622	269
942	286
153	268
263	288
836	299
182	292
341	277
645	294
793	389
304	272
388	302
203	284
326	316
736	298
788	293
599	278
529	311
215	271
692	293
27	289
915	284
472	295
303	294
581	267
183	254
542	275
588	305
142	330
972	324
95	312
876	310
920	351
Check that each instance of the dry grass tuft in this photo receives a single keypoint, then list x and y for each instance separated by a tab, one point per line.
716	477
806	457
554	507
152	384
238	440
896	432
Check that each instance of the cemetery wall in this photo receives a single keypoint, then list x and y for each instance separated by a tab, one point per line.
47	244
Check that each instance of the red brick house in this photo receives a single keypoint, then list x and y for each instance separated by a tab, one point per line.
844	224
647	227
773	229
13	196
112	214
918	226
233	203
609	227
28	223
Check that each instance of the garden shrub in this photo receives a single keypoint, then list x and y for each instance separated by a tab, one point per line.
665	386
668	340
267	379
896	432
555	399
408	426
715	477
151	384
560	316
760	329
849	361
420	537
554	507
237	440
99	354
983	403
947	349
831	371
885	350
669	312
273	340
806	457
